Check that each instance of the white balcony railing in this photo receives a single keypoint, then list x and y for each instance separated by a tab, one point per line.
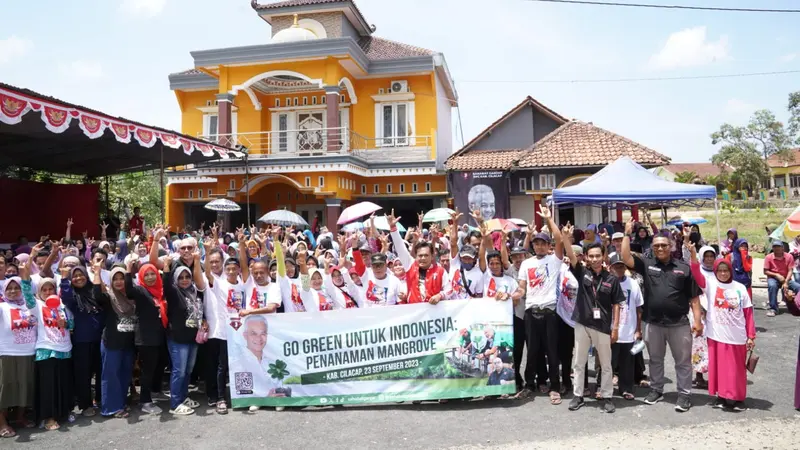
327	141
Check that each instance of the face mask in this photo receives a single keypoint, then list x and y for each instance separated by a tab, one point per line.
468	266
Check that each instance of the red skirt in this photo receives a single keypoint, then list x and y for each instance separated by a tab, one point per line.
727	375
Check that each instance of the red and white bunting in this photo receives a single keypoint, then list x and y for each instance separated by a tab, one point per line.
92	127
146	138
12	109
170	140
121	132
58	118
188	146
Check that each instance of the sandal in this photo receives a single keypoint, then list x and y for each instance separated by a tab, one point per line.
51	426
222	407
627	396
7	432
644	383
555	398
124	414
89	412
543	389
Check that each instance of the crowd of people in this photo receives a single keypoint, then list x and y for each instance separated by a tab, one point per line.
83	321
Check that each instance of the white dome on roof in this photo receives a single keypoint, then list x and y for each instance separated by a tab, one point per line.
294	34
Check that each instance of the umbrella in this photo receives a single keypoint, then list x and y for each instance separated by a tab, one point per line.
284	218
675	221
501	224
354	226
789	229
382	224
222	205
437	215
518	222
357	211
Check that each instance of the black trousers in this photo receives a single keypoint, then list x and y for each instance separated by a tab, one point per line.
519	346
566	347
624	364
217	369
541	334
638	374
151	372
86	364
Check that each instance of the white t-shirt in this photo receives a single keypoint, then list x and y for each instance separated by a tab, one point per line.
627	310
493	285
228	300
49	336
567	294
725	320
541	277
290	294
472	278
18	329
379	292
260	296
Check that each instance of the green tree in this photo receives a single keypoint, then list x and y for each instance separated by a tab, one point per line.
721	181
794	117
687	176
129	190
749	168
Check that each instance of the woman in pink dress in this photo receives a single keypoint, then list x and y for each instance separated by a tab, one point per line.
730	330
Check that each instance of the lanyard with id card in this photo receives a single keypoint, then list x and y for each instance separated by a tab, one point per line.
596	309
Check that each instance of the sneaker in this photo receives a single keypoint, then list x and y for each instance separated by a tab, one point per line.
607	406
576	403
771	313
739	407
653	397
279	408
253	408
160	397
683	404
525	393
150	408
191	403
212	404
182	410
719	403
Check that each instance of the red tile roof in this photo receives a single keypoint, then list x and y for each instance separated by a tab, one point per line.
776	161
485	160
577	143
291	3
702	170
528	101
382	49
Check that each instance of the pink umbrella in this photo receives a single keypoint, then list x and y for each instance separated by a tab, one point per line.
356	212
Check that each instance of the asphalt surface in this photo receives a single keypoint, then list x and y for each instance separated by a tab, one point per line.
477	423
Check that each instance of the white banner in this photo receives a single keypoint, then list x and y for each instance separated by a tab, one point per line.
455	349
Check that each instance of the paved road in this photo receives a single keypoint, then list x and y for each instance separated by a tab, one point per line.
491	423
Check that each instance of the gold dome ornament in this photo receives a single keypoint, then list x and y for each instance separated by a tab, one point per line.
295	33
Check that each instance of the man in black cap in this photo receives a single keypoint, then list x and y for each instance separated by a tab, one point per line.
379	285
465	273
518	254
538	285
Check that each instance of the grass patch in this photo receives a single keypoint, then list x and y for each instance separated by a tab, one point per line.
750	225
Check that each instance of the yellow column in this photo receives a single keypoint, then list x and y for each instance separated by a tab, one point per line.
224	80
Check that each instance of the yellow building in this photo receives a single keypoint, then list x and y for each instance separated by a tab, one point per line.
329	114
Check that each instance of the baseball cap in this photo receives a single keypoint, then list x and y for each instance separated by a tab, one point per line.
615	258
518	251
577	249
542	236
617	235
777	243
591	227
378	259
468	251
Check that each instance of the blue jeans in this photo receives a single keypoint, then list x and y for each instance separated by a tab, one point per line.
116	379
794	286
773	287
182	357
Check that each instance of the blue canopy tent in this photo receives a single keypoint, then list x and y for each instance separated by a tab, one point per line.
624	182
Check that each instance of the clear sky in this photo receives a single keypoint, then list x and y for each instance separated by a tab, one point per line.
115	56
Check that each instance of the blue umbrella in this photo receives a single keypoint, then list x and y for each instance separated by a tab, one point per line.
382	224
689	220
